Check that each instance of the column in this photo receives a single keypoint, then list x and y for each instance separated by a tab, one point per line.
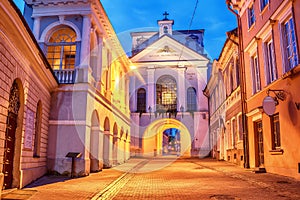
202	104
150	89
36	28
181	91
85	41
132	92
99	61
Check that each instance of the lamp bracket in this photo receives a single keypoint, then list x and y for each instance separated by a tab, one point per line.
280	94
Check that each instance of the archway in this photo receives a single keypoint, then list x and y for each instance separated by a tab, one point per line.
13	136
153	138
106	144
115	144
171	142
95	143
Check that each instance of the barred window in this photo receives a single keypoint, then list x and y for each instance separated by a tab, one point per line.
166	93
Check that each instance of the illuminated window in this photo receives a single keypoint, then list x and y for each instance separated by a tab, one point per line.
166	93
61	49
275	125
251	16
271	71
191	99
289	45
141	100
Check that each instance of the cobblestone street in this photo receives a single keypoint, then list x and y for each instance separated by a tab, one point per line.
165	178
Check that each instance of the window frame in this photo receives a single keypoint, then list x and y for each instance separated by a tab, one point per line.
62	48
141	102
275	132
255	72
251	16
290	45
192	99
270	61
263	4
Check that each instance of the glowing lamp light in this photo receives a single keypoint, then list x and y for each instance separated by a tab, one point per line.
132	67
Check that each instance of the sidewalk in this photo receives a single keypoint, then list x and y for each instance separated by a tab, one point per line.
288	187
57	187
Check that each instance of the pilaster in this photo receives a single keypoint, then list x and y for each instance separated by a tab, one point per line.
150	89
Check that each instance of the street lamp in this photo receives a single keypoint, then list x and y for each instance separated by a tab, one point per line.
181	110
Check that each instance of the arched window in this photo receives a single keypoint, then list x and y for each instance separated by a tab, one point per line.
141	100
37	131
166	93
191	99
61	48
166	29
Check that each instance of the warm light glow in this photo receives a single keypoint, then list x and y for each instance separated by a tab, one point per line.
132	67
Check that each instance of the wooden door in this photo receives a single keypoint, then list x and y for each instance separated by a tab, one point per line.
259	144
9	149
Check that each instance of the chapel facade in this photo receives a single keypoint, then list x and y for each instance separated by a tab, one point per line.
169	112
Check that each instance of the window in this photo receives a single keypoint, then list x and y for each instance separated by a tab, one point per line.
271	70
141	100
289	45
255	74
240	131
191	99
166	93
275	131
251	16
234	128
37	131
263	4
237	71
61	49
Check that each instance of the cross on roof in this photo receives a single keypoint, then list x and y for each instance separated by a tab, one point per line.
166	15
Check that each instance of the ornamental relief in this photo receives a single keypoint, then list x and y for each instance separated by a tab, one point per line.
14	99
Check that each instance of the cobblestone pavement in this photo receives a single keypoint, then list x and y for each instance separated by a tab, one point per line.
166	178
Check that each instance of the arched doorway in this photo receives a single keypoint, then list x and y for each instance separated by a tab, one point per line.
159	131
12	144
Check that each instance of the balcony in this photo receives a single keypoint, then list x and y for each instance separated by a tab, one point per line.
65	76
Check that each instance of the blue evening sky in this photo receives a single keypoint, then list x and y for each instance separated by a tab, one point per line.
137	15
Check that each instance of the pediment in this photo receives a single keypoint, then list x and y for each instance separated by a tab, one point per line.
168	49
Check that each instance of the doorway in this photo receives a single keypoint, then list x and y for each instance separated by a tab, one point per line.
259	144
171	142
10	135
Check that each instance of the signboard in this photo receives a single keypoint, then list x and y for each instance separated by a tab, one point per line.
29	129
269	105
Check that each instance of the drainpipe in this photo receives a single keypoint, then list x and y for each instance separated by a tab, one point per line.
242	86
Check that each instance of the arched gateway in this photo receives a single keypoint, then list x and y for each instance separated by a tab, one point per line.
154	142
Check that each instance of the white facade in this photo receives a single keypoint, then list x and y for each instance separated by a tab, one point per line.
170	70
89	110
